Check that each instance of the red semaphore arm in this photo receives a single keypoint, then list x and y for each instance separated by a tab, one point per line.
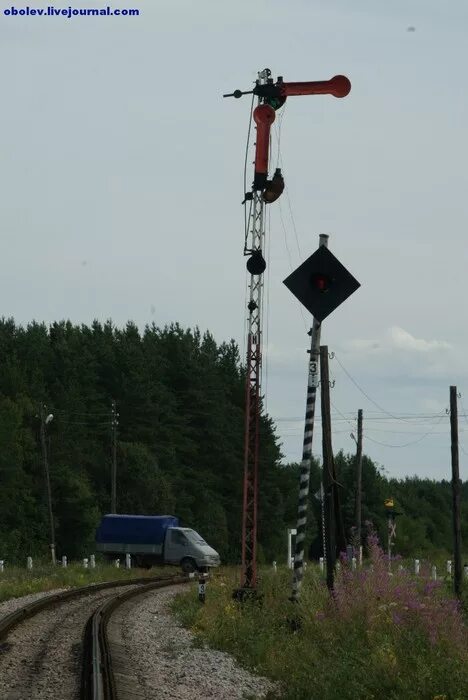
339	86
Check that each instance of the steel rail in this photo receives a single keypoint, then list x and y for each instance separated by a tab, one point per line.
97	680
8	622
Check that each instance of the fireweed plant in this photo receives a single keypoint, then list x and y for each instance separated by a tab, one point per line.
398	599
381	634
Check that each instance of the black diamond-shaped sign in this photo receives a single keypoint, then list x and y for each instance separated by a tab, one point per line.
321	283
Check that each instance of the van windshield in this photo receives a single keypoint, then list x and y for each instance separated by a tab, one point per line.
194	537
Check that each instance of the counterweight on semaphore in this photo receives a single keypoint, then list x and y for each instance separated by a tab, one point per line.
271	96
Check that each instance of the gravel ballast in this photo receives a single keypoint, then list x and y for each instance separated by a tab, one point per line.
9	606
41	657
156	658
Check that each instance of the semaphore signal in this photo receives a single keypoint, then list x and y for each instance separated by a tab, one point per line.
271	96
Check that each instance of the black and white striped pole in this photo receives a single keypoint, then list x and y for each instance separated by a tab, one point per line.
304	479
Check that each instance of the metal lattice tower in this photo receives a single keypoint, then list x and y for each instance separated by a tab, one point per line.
255	242
252	405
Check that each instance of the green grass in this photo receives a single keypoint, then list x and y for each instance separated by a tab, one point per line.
16	581
354	650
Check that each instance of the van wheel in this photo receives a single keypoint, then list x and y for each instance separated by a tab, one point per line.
188	565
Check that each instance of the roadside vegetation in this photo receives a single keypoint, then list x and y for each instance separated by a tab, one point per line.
16	581
382	636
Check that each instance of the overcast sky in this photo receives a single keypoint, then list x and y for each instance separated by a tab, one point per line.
122	177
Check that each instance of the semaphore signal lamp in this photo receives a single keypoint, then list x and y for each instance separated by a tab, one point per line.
256	264
321	282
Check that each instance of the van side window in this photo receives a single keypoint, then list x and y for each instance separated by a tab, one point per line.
178	537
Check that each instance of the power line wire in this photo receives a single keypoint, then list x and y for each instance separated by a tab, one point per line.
247	145
267	305
60	411
280	163
424	417
461	431
406	444
353	427
290	258
364	393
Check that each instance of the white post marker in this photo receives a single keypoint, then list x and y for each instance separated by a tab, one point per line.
128	561
201	588
92	561
117	563
85	562
449	567
291	534
274	567
1	565
416	566
29	563
321	564
353	563
465	569
64	562
360	555
434	573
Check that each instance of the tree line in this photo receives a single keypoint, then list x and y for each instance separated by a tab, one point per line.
180	435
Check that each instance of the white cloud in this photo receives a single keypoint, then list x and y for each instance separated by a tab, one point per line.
396	338
401	339
362	344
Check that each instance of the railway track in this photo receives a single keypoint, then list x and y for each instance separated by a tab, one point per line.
98	678
47	645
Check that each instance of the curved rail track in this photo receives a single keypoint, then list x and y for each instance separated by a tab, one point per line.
30	664
98	680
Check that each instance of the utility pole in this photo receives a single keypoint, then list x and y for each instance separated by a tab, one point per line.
114	424
335	539
340	531
455	492
45	420
358	517
328	471
324	533
304	479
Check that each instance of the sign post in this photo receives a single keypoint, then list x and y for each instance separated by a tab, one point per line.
321	283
